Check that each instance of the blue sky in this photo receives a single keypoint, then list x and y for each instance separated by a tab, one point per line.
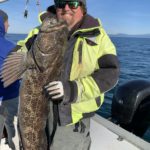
117	16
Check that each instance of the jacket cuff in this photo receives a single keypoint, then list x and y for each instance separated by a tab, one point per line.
70	92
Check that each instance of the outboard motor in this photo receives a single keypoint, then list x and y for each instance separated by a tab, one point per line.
131	106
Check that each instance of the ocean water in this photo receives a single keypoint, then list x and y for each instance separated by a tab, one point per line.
133	55
134	58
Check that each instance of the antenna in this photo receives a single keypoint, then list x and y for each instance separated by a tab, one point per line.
38	5
1	1
26	10
26	7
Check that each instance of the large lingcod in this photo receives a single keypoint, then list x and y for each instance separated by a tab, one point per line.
40	65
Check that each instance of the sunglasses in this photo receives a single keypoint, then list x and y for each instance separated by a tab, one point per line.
71	4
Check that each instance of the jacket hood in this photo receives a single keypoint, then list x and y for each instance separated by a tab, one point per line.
2	28
87	23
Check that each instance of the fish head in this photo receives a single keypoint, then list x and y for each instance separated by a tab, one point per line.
52	33
51	41
51	23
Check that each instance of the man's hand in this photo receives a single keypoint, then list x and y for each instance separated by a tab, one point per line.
55	89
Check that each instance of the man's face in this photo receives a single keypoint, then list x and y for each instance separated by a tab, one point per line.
6	25
69	14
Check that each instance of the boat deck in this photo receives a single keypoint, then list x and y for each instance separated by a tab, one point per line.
105	136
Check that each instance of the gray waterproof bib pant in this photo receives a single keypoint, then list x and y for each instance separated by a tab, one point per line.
73	137
3	113
12	108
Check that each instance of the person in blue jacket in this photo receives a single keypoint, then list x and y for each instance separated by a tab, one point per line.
9	95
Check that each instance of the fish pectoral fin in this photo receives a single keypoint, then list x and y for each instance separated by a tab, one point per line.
13	67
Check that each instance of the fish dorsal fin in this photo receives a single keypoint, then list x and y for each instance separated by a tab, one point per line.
13	67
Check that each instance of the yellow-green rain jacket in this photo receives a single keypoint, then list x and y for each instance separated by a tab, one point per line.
25	45
91	69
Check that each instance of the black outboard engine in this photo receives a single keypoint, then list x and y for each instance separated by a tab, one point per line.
131	106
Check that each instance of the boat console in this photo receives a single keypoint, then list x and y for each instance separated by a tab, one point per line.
131	106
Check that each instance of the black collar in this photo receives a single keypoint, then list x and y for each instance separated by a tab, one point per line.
86	23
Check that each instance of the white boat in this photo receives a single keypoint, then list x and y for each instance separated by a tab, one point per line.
105	135
109	136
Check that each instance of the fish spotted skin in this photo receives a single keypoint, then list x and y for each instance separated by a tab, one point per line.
42	64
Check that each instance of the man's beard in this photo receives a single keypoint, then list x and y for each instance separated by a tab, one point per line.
68	17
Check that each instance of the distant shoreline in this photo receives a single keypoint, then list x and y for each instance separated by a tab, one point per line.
130	36
17	33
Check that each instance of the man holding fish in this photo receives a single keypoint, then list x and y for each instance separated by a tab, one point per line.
91	69
75	85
